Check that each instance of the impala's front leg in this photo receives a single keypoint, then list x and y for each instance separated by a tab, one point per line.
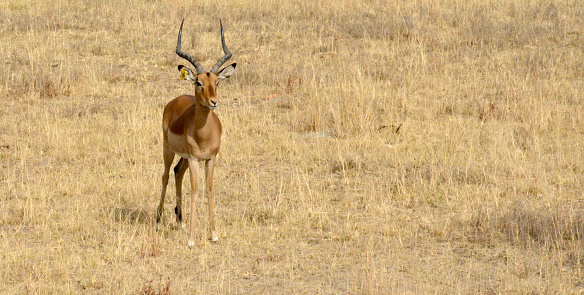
194	168
209	167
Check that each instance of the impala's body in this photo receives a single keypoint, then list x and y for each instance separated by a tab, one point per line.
200	138
192	130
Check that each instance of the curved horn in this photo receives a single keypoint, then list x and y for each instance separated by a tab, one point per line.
193	61
227	56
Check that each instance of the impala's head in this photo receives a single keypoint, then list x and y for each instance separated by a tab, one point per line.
205	82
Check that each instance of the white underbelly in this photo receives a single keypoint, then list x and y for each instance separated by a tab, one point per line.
186	156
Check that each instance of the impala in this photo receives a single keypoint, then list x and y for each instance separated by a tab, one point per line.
192	131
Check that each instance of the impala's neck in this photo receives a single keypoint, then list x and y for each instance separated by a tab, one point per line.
202	111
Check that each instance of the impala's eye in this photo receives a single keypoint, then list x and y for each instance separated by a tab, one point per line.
199	84
216	84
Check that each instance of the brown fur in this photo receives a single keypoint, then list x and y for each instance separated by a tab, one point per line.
190	128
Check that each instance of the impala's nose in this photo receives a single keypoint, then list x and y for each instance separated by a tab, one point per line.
213	104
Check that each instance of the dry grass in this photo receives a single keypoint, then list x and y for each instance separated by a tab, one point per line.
413	147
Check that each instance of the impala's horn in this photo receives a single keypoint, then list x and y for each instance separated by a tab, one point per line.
227	55
198	67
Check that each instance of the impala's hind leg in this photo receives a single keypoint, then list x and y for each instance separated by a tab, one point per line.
168	156
179	171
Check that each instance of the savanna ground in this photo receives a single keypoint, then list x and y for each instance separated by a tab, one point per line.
411	147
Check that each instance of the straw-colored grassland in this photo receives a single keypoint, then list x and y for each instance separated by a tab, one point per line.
369	147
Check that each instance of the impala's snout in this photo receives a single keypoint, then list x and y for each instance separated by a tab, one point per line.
212	105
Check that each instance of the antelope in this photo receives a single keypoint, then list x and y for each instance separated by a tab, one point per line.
192	131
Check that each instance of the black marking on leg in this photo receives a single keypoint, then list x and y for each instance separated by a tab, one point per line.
178	166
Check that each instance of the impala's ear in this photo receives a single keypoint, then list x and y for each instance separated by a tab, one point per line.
186	74
226	72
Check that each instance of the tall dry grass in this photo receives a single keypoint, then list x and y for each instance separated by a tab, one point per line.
412	147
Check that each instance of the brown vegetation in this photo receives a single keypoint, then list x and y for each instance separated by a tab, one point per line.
407	147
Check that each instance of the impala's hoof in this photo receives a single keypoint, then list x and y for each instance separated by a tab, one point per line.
191	244
214	238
